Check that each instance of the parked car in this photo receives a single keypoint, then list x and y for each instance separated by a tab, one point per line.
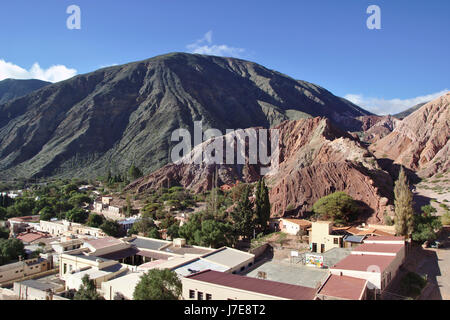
436	244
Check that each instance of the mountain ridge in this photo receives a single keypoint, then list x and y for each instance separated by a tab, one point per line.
125	114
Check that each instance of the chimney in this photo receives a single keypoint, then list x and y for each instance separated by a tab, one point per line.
179	242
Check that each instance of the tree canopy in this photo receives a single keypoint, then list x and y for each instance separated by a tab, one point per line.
87	291
111	228
338	206
10	250
158	285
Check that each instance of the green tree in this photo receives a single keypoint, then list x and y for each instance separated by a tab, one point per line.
2	213
4	233
262	204
214	234
134	173
78	200
111	228
173	231
338	206
10	250
188	230
143	225
68	189
87	291
404	216
243	216
77	215
158	285
95	220
153	233
47	214
426	225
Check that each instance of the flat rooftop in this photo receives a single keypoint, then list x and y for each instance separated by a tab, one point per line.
228	257
343	287
104	242
364	262
385	238
148	243
266	287
197	266
186	250
39	285
379	248
295	274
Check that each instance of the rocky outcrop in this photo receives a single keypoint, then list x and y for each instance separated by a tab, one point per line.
315	159
377	127
420	141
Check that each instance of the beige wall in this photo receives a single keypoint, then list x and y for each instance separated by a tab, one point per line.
320	234
22	269
220	292
24	292
68	263
55	229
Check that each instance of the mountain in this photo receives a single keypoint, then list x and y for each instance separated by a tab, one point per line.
421	140
375	128
404	114
116	116
11	89
315	159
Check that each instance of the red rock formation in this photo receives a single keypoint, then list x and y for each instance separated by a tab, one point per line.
377	127
315	159
420	141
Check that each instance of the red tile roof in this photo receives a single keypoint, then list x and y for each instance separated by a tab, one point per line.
343	287
379	247
271	288
25	219
364	262
299	222
31	236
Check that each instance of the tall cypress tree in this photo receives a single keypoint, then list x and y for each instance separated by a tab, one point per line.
262	204
404	216
243	216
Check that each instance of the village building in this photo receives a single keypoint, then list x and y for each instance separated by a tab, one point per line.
21	269
294	226
213	285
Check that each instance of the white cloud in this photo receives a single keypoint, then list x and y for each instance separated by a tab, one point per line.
382	106
54	73
205	46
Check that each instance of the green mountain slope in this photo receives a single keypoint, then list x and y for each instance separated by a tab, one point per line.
126	114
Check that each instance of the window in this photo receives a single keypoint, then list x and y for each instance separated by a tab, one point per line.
191	294
200	295
336	241
208	296
243	268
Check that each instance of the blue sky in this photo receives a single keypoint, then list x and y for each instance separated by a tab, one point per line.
325	42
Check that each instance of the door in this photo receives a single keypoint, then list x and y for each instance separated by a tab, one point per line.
314	247
322	248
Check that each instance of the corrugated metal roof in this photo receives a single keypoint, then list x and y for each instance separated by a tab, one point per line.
343	287
267	287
